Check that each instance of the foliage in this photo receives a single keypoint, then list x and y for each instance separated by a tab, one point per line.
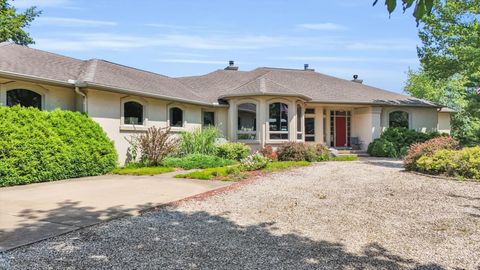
322	152
12	23
450	65
428	148
199	141
233	150
282	165
253	162
464	163
394	142
269	153
196	161
296	151
228	173
345	158
37	146
155	145
422	8
135	170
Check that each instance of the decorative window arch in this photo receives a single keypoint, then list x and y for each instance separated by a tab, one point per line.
176	116
25	98
133	113
398	119
278	121
247	121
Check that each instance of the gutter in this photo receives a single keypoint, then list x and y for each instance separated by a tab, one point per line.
78	85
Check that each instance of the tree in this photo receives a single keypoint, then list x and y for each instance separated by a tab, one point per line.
12	23
421	7
450	64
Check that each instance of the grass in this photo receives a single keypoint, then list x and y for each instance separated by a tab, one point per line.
142	170
344	158
227	173
196	161
282	165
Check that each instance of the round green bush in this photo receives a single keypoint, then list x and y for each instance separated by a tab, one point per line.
296	151
233	150
38	146
382	148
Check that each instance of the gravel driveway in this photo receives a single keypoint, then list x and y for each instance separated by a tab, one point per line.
335	215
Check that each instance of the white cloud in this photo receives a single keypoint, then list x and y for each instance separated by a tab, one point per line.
322	26
41	3
191	61
72	22
92	41
383	45
341	59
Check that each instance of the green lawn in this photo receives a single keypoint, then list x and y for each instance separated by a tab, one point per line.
142	170
282	165
344	158
227	173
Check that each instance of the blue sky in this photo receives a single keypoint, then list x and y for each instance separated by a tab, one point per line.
192	37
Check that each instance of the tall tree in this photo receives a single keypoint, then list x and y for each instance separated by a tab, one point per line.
421	8
13	23
450	64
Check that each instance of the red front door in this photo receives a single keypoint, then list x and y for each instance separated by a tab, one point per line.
340	131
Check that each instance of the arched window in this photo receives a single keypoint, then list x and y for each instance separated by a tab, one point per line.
278	121
24	97
398	119
176	117
133	113
247	121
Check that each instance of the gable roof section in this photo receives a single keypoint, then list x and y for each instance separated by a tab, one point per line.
41	65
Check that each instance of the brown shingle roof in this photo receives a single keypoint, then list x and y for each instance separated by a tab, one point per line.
205	89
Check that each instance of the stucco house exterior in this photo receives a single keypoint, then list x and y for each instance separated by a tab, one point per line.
264	106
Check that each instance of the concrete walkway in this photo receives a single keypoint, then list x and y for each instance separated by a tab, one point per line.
38	211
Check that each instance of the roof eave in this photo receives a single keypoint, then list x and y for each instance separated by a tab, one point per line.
31	78
377	104
307	98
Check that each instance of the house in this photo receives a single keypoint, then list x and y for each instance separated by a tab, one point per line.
264	106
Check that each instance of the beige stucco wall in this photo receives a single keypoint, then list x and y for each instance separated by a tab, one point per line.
106	109
444	125
420	119
53	97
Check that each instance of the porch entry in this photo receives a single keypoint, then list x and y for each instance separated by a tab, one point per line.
340	128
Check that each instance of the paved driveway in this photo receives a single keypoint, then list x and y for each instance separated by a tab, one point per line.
334	215
38	211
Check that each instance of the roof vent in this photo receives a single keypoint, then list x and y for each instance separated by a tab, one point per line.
231	66
306	68
355	79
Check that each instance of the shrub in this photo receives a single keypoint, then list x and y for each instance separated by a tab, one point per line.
428	148
37	146
199	141
253	162
296	151
394	142
322	152
459	163
269	153
196	161
382	148
155	145
233	151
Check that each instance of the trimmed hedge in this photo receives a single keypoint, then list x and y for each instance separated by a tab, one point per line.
38	146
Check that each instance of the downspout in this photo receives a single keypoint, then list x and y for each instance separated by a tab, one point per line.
77	85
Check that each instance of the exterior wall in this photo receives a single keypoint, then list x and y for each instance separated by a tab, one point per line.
53	97
106	109
444	125
420	119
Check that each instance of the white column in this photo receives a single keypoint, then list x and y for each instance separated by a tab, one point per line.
232	113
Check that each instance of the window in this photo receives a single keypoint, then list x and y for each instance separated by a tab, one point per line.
398	119
247	121
299	122
278	121
309	129
176	117
208	119
24	97
132	113
309	111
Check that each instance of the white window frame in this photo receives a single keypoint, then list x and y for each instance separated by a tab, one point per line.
257	126
42	91
184	121
310	116
127	127
302	122
269	132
